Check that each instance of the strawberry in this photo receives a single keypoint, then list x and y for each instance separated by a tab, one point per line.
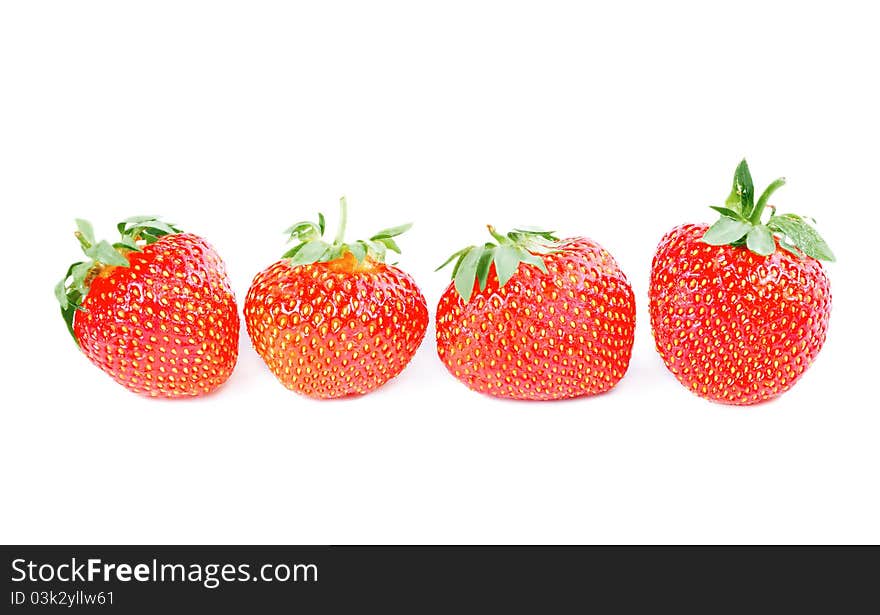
333	320
536	318
154	310
740	310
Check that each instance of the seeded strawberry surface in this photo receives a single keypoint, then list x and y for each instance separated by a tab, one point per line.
338	328
734	326
542	336
740	309
166	325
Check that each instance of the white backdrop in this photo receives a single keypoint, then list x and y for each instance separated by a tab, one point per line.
235	119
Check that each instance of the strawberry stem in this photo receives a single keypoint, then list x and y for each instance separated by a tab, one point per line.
762	202
501	239
83	242
343	220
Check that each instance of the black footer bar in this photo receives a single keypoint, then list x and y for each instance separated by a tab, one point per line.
150	579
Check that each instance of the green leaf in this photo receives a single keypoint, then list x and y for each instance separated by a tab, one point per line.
742	196
127	243
790	248
336	251
467	273
725	231
322	223
61	292
531	259
484	264
302	230
158	227
724	211
311	252
532	231
78	274
460	260
292	252
61	287
377	250
133	220
85	229
733	201
67	313
760	241
394	231
802	235
507	259
359	250
147	228
103	252
388	243
452	258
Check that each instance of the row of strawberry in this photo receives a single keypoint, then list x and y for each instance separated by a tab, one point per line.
738	309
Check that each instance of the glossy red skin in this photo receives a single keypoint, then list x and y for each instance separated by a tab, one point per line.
735	327
167	325
559	335
331	330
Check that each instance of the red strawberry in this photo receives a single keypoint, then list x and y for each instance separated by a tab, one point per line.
333	320
537	318
154	311
739	310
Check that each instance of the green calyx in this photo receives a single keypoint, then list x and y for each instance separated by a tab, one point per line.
741	223
311	247
134	233
522	245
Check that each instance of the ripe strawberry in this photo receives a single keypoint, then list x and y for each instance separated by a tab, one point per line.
154	311
559	326
739	310
333	320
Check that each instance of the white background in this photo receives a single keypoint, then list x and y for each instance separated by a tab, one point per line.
237	119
